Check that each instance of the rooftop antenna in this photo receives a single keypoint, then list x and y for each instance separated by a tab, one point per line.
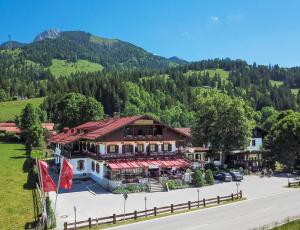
9	42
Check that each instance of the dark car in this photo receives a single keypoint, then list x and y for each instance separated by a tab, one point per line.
236	176
223	176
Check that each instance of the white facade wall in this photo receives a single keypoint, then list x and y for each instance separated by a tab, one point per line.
257	146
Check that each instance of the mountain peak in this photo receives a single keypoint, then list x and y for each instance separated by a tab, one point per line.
47	34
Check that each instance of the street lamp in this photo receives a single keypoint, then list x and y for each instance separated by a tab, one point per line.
237	187
75	217
125	195
145	205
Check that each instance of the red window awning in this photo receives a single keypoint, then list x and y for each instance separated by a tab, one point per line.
117	165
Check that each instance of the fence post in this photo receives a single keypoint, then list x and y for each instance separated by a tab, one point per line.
204	202
90	222
135	215
218	197
289	185
65	226
114	219
154	211
172	208
241	194
232	197
189	204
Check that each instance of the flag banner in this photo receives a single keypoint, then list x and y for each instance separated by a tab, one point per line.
66	175
48	183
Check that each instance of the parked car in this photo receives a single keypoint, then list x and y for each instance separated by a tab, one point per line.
223	176
236	176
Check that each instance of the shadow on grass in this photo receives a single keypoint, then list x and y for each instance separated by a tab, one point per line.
37	213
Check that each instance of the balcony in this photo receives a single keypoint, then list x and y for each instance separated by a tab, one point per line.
122	156
143	138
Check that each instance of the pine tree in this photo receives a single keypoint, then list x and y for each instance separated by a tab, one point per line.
198	180
209	177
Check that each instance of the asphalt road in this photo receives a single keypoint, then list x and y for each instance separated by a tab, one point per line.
248	214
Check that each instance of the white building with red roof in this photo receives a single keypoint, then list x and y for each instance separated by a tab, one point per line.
120	150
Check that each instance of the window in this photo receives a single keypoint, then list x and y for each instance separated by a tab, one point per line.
253	143
93	166
166	147
127	149
191	156
152	147
97	168
80	165
140	147
112	149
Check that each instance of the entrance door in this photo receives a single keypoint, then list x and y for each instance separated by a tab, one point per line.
154	172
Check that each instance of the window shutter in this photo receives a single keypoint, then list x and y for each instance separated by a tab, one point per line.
162	147
117	149
156	147
108	149
170	147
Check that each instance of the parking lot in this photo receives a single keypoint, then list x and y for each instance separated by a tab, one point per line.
93	201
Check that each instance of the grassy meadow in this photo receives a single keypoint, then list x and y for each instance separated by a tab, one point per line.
64	68
17	209
223	73
9	109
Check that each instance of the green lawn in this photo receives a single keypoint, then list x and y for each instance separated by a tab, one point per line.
293	225
295	91
64	68
276	83
9	109
16	195
223	73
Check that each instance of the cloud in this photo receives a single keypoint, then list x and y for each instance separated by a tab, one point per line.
214	19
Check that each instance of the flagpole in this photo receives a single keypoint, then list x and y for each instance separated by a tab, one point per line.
59	178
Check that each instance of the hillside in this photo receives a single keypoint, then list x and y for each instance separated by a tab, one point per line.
74	45
9	109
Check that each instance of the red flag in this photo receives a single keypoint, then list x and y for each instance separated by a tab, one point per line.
66	175
48	183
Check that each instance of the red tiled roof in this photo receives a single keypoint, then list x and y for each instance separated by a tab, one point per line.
186	131
93	129
96	129
48	126
10	129
8	124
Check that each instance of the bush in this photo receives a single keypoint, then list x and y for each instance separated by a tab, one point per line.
9	137
198	180
50	213
209	177
131	188
171	184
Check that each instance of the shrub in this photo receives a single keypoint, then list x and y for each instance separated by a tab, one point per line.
50	213
198	180
131	188
9	137
209	177
171	184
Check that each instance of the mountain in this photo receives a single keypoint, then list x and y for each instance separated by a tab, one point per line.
48	34
72	46
11	45
178	60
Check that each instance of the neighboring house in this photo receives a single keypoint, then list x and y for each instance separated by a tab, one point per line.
11	127
121	150
254	156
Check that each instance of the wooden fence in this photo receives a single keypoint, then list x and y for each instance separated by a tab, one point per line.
294	183
113	219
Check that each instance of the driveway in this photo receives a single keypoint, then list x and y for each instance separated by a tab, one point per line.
93	201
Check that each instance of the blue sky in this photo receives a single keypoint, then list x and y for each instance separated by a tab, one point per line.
264	31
